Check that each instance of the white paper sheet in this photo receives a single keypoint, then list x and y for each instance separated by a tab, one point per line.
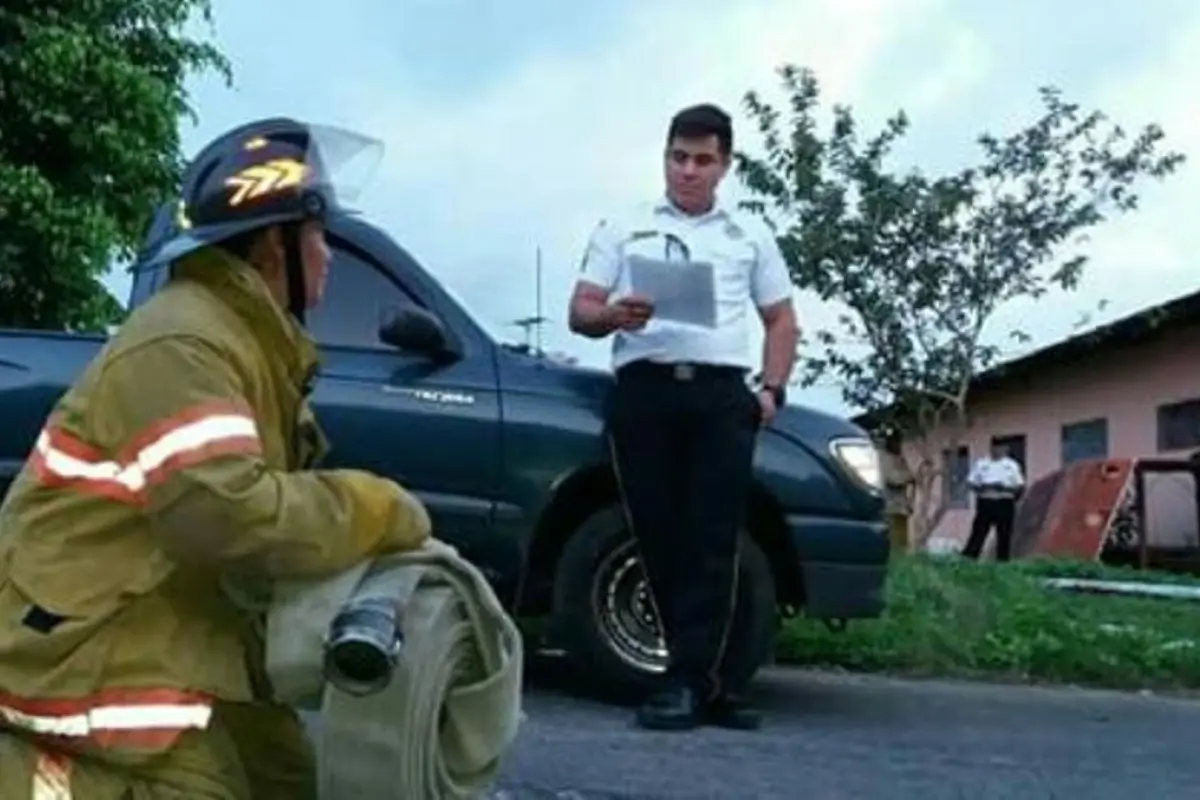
683	291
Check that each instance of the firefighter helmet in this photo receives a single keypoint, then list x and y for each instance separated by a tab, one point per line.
268	172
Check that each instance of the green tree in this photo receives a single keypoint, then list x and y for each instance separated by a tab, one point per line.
91	96
923	263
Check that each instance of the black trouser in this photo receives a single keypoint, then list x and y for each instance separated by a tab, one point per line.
992	513
683	443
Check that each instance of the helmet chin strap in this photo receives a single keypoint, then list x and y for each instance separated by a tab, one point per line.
297	296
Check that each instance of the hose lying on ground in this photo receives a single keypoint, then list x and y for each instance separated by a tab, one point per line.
440	726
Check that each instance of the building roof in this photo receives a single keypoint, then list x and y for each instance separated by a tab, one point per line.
1136	328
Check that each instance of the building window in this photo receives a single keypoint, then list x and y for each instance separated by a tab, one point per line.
1086	439
956	466
1015	445
1179	425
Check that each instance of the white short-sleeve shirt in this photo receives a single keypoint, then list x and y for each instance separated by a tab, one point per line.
750	272
1004	472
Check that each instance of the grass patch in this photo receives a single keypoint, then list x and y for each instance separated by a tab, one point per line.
957	618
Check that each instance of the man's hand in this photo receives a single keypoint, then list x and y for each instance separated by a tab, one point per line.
410	526
592	315
631	313
766	406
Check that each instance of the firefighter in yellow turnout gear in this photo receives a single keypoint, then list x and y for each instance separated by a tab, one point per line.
181	463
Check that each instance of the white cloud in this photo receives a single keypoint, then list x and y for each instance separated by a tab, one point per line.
1149	256
474	183
472	187
1158	243
964	61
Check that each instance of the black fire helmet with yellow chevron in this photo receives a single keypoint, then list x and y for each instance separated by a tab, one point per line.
269	172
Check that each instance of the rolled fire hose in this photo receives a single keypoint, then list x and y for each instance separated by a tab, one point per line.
431	720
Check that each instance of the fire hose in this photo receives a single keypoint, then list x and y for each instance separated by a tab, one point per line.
414	667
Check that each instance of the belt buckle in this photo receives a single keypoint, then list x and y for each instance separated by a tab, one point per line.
684	372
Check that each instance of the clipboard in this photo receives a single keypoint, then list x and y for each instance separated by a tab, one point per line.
683	292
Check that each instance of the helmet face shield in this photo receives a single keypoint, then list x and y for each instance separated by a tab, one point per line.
259	175
343	160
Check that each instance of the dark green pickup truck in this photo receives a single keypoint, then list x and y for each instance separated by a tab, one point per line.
505	447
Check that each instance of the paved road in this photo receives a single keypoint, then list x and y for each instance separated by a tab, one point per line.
835	737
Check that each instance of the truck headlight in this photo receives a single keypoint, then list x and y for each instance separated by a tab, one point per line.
859	458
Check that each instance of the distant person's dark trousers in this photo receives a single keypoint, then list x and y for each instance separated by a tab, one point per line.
991	513
683	441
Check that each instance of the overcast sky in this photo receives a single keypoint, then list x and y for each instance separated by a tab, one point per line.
511	124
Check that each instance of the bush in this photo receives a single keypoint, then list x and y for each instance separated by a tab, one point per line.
950	617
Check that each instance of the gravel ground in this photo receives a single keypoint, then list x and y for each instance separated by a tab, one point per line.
838	736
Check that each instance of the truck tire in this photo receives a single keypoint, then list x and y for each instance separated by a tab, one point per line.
604	620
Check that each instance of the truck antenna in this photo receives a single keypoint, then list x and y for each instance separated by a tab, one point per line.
532	326
538	309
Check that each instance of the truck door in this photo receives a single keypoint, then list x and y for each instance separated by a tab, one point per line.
433	428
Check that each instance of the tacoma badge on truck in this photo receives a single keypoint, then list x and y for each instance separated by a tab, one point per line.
433	395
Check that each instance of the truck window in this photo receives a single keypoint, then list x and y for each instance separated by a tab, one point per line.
358	296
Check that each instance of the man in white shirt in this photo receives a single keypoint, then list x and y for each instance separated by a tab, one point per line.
682	420
997	483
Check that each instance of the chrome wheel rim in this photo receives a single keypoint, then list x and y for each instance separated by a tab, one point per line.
624	611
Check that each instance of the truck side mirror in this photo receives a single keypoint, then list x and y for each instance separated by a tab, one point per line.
416	329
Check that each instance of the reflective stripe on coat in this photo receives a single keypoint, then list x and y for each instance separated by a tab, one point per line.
178	462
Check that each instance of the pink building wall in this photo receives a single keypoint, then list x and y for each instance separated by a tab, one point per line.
1124	384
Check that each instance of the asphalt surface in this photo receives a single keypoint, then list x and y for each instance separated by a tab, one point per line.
842	737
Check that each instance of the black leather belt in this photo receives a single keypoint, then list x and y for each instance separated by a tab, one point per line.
682	370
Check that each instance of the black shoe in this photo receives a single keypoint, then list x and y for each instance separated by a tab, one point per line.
670	710
731	711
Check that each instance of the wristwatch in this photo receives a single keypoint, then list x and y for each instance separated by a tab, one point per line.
778	393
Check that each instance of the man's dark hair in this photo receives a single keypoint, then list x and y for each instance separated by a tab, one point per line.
702	121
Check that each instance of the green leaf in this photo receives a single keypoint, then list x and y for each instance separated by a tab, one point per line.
925	262
91	99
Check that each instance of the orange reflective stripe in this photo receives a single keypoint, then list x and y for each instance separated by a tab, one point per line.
182	440
51	777
149	718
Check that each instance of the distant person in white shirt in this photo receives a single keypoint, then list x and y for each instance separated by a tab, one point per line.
997	483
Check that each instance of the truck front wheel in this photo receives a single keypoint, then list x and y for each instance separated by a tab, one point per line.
606	622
